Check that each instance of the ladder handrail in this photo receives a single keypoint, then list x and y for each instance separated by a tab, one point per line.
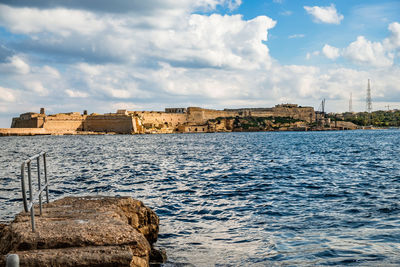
29	205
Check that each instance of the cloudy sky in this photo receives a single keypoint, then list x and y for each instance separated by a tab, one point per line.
146	55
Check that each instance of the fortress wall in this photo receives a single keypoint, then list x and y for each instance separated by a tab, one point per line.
27	122
161	119
64	122
110	123
262	113
292	111
18	123
213	114
301	113
201	116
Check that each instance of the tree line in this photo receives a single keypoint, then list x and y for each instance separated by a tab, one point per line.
378	118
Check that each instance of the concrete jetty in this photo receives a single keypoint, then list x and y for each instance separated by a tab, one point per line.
84	231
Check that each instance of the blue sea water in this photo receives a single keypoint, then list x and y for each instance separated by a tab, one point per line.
237	199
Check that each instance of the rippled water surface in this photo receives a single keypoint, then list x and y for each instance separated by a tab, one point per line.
237	199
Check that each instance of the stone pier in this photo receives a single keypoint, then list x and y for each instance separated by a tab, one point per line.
84	231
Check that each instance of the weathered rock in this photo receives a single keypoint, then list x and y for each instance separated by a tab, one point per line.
81	256
158	256
84	231
2	226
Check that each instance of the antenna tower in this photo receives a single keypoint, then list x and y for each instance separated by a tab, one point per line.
351	103
369	101
322	107
320	114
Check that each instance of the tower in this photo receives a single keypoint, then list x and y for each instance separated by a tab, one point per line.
369	101
320	114
323	107
351	103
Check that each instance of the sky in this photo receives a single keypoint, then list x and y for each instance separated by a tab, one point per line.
101	55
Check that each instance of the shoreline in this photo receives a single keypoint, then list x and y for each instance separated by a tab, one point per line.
42	131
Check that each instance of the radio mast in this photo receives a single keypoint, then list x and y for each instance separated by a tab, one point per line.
351	103
369	101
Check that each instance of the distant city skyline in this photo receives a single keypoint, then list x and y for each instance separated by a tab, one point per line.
148	55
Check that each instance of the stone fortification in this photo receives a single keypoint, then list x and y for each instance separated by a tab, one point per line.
158	121
28	120
283	110
199	116
64	121
191	119
60	121
120	122
117	123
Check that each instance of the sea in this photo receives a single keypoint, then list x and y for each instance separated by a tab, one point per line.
237	199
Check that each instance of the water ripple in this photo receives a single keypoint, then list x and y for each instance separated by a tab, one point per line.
237	199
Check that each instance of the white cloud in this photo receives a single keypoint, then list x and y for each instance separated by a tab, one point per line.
122	6
7	94
330	52
286	13
232	4
119	93
15	65
37	87
394	39
19	65
327	14
225	88
203	82
57	21
299	35
82	17
90	70
76	94
297	81
111	81
309	55
124	105
49	71
363	51
218	41
174	37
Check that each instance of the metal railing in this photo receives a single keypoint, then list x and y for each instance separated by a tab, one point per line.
28	205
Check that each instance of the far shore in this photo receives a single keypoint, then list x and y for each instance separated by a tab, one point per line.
42	131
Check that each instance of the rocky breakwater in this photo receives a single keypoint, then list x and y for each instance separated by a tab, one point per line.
84	231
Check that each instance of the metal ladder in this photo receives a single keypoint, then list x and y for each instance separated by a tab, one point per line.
29	205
